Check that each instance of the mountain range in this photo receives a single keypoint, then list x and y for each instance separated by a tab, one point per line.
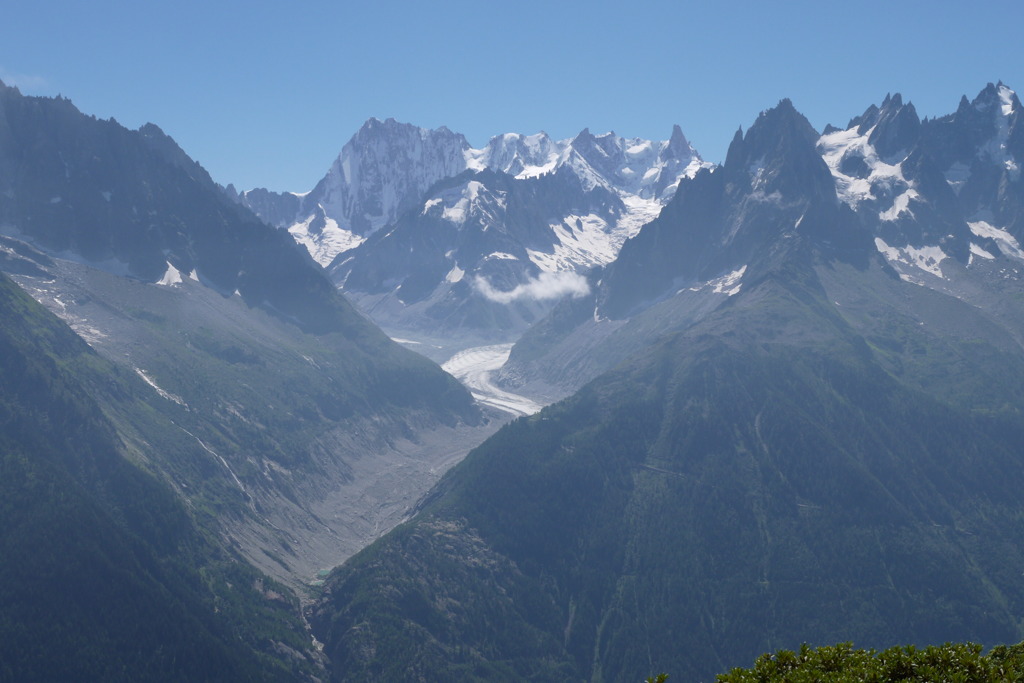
435	239
939	199
796	418
793	389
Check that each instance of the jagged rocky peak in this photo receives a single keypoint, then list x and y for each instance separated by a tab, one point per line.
593	157
646	168
992	113
980	149
677	159
778	154
864	122
979	144
1007	146
883	172
517	154
389	131
607	145
891	129
774	187
998	97
678	146
776	130
896	128
384	169
280	209
883	134
995	101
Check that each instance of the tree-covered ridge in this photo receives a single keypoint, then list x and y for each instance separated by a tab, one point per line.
949	663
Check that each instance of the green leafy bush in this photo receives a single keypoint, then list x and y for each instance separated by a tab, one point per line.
952	662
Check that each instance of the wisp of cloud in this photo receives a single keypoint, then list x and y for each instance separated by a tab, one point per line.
541	288
25	82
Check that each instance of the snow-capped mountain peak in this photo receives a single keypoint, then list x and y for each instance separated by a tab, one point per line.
522	156
867	158
1005	108
386	168
383	169
490	249
940	194
862	175
1008	99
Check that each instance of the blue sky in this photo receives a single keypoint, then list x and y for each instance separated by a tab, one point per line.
265	94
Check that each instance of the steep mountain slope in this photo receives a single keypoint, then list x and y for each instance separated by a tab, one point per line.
798	444
135	205
773	475
104	574
292	395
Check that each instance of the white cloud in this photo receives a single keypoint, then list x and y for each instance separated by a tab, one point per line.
25	82
545	286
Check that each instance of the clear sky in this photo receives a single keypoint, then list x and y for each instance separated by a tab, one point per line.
264	94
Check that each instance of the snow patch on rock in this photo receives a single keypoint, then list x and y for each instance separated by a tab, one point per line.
1006	242
881	181
164	394
324	244
454	275
728	284
581	242
976	250
172	277
928	259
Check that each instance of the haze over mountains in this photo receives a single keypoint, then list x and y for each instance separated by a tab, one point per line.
433	237
794	391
